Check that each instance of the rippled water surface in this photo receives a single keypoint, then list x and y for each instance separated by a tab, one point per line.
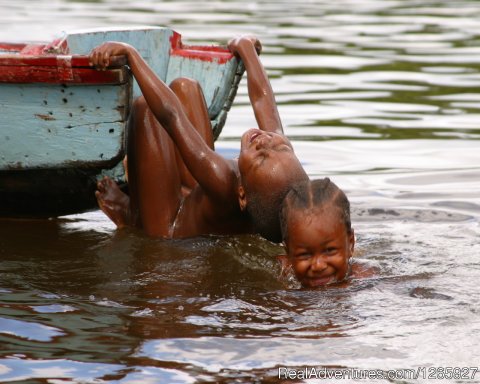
383	97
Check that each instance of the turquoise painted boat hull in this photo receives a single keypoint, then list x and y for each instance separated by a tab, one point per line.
63	123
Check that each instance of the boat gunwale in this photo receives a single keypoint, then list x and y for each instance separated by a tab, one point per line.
55	60
18	68
58	67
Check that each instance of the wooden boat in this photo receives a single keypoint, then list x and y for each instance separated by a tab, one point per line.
62	123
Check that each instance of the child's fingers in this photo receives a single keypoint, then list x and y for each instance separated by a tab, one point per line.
91	58
105	60
100	57
96	58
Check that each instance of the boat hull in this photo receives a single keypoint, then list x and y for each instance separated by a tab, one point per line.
43	193
63	123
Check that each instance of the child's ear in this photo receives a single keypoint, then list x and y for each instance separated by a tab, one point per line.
352	241
242	199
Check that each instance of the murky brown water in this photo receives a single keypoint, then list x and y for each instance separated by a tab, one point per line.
381	96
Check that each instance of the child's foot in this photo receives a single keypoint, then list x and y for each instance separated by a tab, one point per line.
113	202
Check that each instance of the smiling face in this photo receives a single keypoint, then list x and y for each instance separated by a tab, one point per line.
318	245
268	167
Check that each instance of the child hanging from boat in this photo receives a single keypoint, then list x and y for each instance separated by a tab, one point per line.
178	185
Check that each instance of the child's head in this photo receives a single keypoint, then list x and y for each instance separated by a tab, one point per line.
317	232
268	167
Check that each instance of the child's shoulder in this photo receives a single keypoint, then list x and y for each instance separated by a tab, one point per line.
361	270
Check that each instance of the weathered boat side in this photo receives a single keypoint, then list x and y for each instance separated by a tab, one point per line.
63	126
215	68
64	122
153	43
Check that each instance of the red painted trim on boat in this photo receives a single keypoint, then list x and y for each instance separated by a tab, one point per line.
13	47
54	75
42	63
57	46
218	55
204	53
33	49
53	60
56	69
175	41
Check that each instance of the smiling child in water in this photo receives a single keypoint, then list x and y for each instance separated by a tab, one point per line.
317	233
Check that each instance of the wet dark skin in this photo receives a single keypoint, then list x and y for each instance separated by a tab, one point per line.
320	248
178	185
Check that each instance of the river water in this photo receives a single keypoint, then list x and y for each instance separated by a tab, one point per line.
382	96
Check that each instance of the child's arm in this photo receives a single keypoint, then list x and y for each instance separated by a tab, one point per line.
211	171
259	88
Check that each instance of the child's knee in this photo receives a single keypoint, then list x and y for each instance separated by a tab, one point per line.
139	105
185	86
139	116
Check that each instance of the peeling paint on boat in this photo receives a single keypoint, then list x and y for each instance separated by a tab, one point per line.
63	114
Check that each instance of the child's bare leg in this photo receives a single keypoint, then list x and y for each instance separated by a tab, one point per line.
154	179
191	96
118	206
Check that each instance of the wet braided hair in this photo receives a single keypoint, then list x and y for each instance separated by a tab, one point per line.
309	194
